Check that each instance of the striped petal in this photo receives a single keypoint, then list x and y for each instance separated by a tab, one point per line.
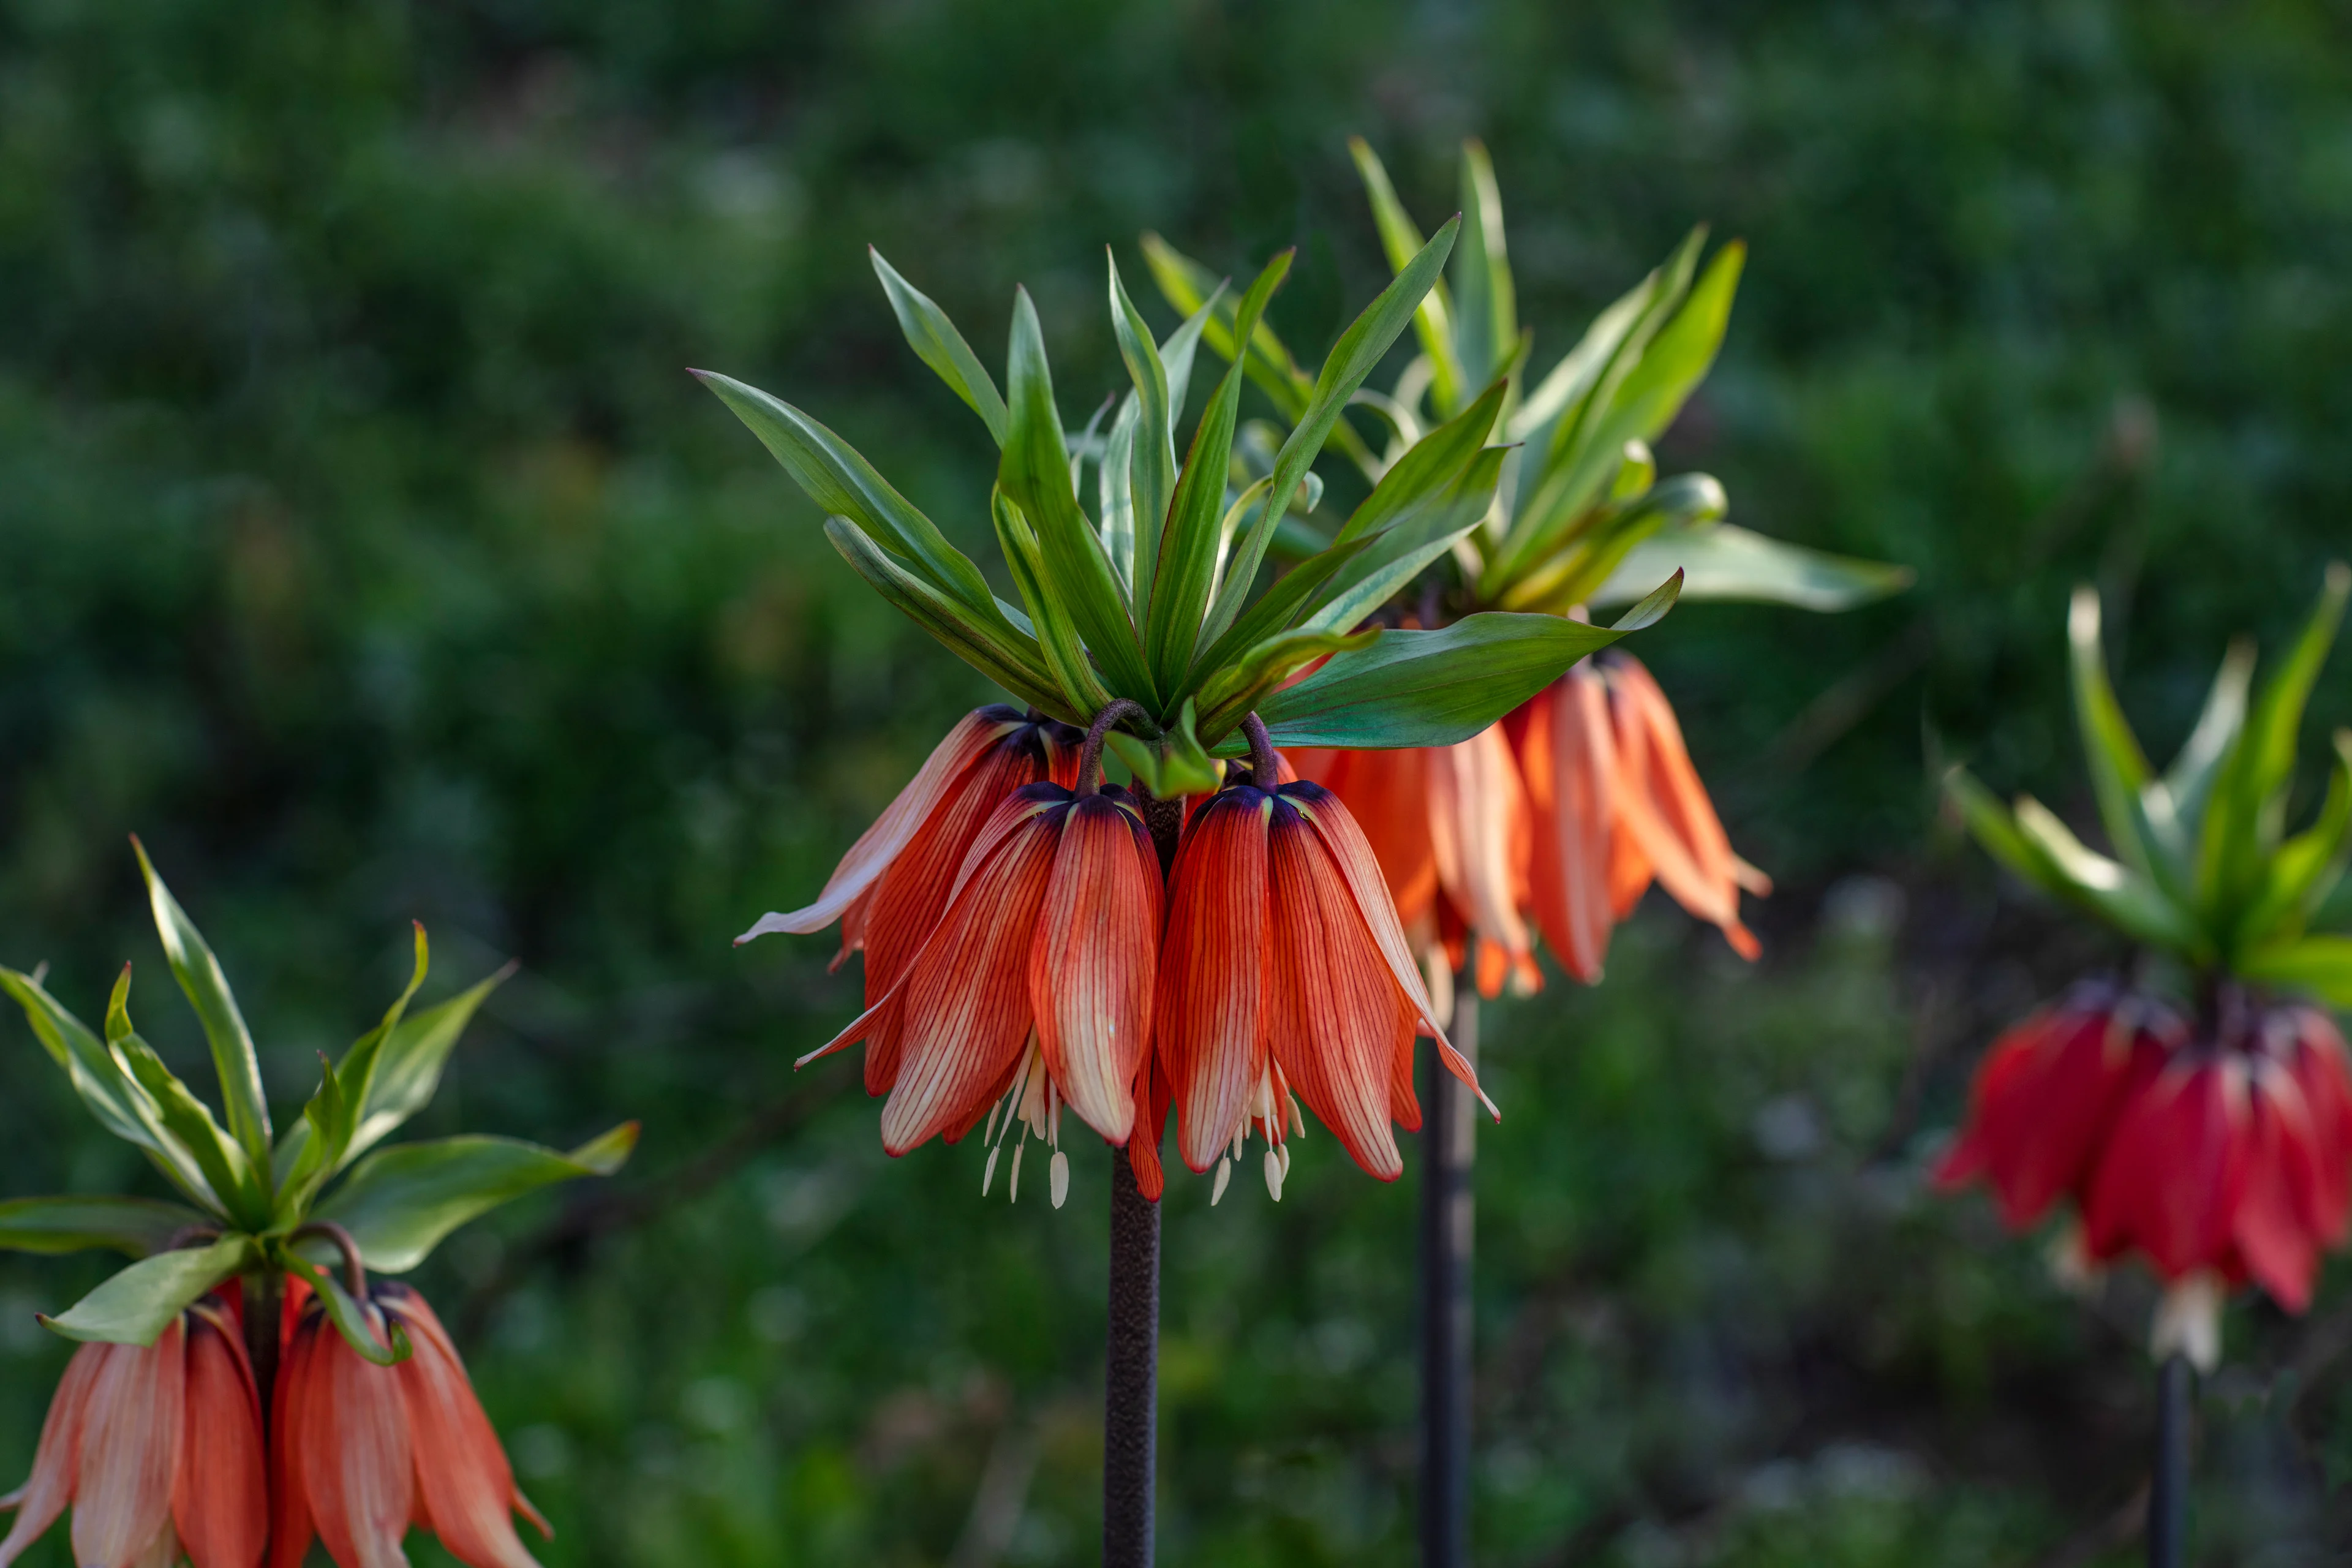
967	995
1388	794
1151	1114
465	1489
1212	986
1479	836
290	1438
358	1463
1331	1006
2174	1171
1666	811
220	1506
1094	962
880	844
2276	1246
1568	759
1353	857
129	1450
58	1458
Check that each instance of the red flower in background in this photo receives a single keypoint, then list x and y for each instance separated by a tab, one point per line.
891	889
2220	1159
1034	987
1563	814
1287	972
158	1448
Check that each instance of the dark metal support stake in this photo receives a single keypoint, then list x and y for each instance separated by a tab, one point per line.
1449	1131
2167	1492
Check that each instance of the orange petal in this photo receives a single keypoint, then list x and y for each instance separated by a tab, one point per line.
1152	1112
45	1493
1388	794
880	844
967	995
1213	971
1330	1006
1665	809
129	1450
1092	965
358	1463
1478	814
220	1506
465	1488
1568	758
914	892
290	1437
1348	852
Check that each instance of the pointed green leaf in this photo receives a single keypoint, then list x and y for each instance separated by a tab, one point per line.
1115	494
1083	691
1360	348
2175	806
2119	769
1580	370
2319	965
78	1224
1021	671
106	1086
227	1171
1192	289
1486	322
1151	456
1034	475
1434	687
2307	866
937	342
139	1303
400	1201
1607	535
1725	562
199	974
1188	552
1995	828
1429	467
1251	678
1345	610
1174	765
1432	316
2124	898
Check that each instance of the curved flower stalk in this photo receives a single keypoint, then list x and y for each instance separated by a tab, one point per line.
1007	901
1556	822
2208	1133
157	1435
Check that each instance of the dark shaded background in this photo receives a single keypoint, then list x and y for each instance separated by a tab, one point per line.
367	549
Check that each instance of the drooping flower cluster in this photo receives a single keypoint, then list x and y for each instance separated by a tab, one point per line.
1050	979
234	1398
160	1448
2213	1142
2218	1159
1556	820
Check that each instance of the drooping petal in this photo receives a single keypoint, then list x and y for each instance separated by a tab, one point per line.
1095	960
58	1458
129	1450
359	1461
1568	759
290	1437
220	1507
2277	1248
880	844
1353	858
914	892
2317	1059
2175	1170
465	1489
967	995
1151	1102
1212	983
1388	794
1666	811
1331	1003
1478	838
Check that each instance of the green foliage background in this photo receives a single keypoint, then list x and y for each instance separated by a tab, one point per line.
368	551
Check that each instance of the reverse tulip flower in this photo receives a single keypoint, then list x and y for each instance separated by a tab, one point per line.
360	1451
1032	991
1287	972
158	1449
231	1394
2212	1142
2047	1095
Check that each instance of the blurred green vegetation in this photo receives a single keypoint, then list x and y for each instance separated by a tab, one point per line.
369	551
